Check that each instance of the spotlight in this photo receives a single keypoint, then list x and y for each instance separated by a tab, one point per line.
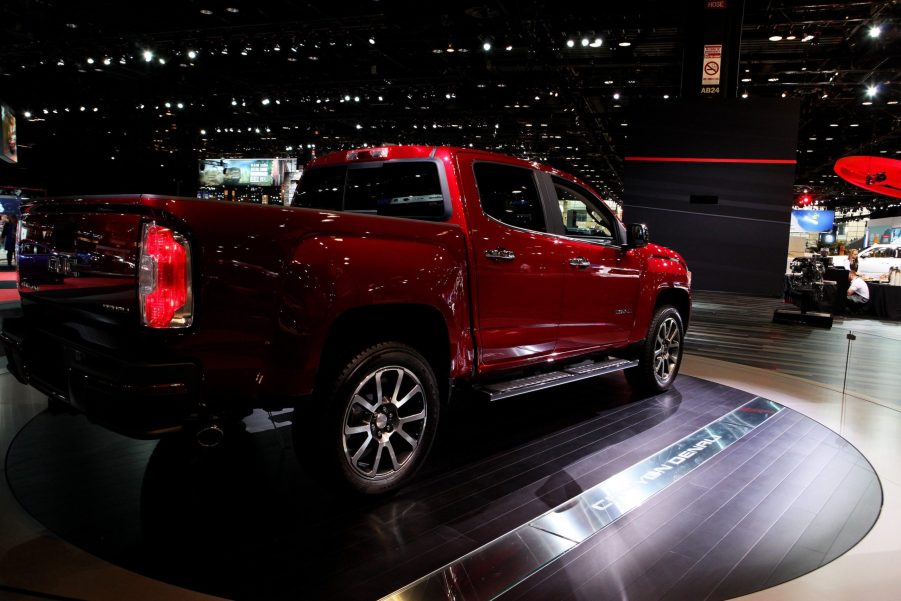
585	42
148	56
872	91
875	31
570	43
192	54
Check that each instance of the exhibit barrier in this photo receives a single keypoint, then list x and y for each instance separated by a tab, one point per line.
871	370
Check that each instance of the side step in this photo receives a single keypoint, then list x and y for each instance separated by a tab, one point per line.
573	373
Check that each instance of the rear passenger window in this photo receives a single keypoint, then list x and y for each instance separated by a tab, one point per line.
509	195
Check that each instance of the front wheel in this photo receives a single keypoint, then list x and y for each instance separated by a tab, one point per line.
381	419
661	355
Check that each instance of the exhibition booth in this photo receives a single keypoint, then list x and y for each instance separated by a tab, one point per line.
259	252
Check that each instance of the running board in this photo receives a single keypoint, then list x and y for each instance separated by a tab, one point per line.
573	373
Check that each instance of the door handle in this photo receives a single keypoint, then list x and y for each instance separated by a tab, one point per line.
500	254
580	262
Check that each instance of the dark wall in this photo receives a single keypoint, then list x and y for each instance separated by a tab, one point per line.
729	220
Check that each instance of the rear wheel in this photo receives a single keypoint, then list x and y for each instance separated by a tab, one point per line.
661	355
381	419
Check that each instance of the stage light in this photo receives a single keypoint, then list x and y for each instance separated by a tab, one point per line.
192	54
148	56
570	43
872	90
875	31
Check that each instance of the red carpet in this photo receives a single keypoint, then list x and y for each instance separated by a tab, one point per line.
7	276
8	294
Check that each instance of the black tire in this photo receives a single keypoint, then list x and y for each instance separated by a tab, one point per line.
374	445
661	355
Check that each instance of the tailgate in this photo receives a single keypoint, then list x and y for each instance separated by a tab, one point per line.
80	259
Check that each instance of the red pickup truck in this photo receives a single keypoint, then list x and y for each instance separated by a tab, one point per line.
397	275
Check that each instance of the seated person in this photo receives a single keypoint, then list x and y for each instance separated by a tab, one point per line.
858	292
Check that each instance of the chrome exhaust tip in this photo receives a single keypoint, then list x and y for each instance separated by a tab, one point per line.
210	435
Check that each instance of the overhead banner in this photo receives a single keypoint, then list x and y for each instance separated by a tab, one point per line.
8	147
809	221
244	172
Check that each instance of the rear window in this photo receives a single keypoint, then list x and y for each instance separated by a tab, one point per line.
400	189
321	189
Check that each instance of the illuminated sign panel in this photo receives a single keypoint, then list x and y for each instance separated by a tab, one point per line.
812	221
8	147
244	172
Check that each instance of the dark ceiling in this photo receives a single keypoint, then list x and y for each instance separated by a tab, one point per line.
282	78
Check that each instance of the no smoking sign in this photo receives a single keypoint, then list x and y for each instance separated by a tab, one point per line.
712	55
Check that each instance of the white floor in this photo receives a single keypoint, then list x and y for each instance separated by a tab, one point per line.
871	569
34	563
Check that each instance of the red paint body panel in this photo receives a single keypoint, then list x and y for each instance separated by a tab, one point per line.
270	283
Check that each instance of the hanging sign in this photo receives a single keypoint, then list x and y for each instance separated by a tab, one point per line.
710	76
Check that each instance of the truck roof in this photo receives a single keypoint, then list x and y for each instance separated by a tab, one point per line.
394	152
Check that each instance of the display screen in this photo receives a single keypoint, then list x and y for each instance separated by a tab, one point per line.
8	147
9	205
804	220
882	234
244	172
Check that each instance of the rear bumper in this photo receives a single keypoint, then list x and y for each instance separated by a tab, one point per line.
137	398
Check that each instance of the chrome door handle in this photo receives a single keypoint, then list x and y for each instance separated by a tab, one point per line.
580	262
500	254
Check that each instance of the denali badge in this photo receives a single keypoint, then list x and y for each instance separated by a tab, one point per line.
115	308
680	458
622	312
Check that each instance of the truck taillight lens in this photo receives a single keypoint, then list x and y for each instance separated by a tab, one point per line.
164	278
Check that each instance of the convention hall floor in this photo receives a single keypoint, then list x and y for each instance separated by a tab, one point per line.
731	342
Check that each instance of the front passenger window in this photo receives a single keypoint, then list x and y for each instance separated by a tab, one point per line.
580	217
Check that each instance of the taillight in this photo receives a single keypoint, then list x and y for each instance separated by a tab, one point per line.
164	278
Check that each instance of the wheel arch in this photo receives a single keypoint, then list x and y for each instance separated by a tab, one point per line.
421	327
678	298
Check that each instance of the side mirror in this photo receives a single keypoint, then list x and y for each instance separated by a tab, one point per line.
637	235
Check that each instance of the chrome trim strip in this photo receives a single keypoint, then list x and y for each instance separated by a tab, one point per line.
503	563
